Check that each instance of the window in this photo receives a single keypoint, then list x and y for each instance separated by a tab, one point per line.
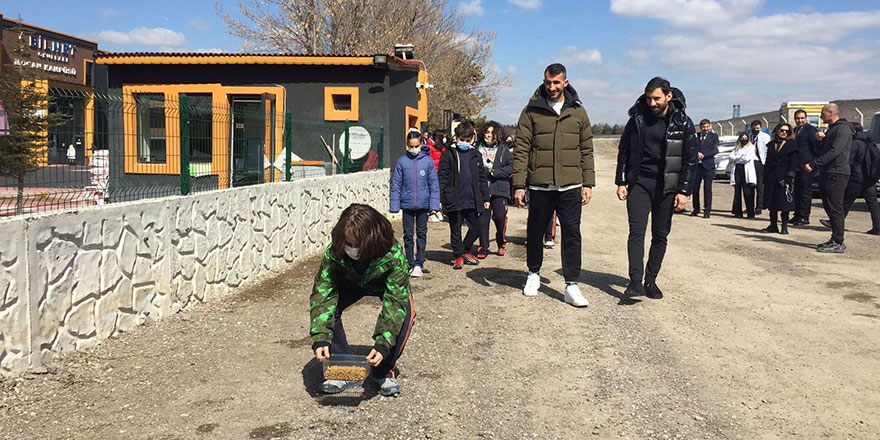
341	103
201	127
150	127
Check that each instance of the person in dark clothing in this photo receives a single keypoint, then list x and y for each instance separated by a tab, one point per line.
805	137
498	162
832	162
464	192
656	167
860	183
706	169
779	172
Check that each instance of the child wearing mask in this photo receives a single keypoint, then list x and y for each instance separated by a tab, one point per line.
499	167
363	259
415	190
465	192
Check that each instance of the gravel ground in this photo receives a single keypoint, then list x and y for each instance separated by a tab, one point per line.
759	336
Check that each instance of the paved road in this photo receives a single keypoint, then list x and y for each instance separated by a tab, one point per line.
759	336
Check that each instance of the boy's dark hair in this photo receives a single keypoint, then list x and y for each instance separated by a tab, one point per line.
658	82
754	123
705	121
464	130
555	69
497	131
370	228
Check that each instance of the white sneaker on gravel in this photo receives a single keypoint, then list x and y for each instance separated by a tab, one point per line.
388	386
416	271
549	244
573	296
533	282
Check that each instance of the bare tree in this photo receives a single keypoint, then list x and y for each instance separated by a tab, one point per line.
459	62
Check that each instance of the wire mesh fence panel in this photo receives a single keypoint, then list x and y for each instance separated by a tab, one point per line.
318	143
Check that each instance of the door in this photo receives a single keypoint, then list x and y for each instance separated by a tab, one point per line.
248	141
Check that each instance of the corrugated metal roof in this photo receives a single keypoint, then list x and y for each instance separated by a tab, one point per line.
221	54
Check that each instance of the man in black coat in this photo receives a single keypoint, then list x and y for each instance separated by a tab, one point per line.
706	169
832	162
805	137
656	167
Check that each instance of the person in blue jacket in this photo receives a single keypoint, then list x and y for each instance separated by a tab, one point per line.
416	191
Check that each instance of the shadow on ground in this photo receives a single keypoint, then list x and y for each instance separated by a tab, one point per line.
312	376
755	233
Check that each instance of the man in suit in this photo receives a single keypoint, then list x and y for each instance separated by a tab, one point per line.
706	169
805	137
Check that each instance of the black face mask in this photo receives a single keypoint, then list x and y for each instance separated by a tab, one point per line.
755	131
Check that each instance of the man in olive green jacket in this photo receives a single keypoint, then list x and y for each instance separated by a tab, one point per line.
553	158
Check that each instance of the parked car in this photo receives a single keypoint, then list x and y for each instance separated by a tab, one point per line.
723	165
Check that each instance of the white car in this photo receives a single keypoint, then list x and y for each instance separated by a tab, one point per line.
723	165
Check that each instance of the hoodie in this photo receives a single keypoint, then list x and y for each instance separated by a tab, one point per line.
414	184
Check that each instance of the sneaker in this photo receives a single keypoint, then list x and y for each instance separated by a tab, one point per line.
416	271
481	255
573	296
826	244
458	263
501	251
634	288
826	223
388	386
533	282
549	244
338	386
835	248
652	291
470	259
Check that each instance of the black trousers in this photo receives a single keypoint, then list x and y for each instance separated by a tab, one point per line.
856	190
803	194
456	220
567	204
497	213
388	368
759	173
647	197
833	188
705	177
742	191
419	217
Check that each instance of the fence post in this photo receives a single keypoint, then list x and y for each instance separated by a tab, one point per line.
184	145
347	150
288	144
381	145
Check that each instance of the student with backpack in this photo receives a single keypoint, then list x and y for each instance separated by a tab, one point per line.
416	191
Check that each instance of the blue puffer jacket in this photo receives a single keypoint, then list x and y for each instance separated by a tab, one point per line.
414	184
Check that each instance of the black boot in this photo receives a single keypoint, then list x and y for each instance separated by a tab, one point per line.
652	291
784	230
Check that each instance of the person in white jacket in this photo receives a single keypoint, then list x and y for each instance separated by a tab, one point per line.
743	176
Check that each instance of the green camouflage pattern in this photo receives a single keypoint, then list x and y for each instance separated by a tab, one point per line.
386	277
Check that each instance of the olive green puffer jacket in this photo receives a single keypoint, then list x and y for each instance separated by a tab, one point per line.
553	149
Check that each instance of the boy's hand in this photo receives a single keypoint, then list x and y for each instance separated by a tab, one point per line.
622	193
485	205
518	196
374	358
322	353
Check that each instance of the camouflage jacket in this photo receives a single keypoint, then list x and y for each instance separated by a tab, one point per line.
386	277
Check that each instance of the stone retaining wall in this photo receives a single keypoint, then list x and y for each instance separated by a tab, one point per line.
71	279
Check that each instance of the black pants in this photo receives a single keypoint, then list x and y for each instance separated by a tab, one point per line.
856	190
647	197
388	368
541	208
742	191
497	213
456	220
420	218
705	177
803	194
759	173
833	188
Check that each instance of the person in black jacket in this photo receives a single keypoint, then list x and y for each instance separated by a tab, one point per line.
779	172
805	137
656	167
860	182
706	169
464	191
498	162
832	162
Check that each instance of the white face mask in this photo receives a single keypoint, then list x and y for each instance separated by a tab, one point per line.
415	150
352	252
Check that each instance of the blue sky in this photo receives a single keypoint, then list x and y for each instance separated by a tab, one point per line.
756	53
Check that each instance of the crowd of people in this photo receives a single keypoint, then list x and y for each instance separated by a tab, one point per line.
473	175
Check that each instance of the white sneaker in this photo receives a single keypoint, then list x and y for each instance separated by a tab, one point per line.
533	282
573	296
416	271
549	244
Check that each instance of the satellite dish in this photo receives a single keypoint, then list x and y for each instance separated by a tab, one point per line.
360	142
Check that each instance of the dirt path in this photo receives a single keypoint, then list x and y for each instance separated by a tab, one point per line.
759	336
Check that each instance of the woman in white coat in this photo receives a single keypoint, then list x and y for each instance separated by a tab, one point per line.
743	176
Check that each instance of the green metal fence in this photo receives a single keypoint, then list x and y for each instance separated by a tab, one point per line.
108	148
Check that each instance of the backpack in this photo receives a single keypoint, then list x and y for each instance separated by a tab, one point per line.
872	163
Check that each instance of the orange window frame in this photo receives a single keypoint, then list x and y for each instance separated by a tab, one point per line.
331	114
